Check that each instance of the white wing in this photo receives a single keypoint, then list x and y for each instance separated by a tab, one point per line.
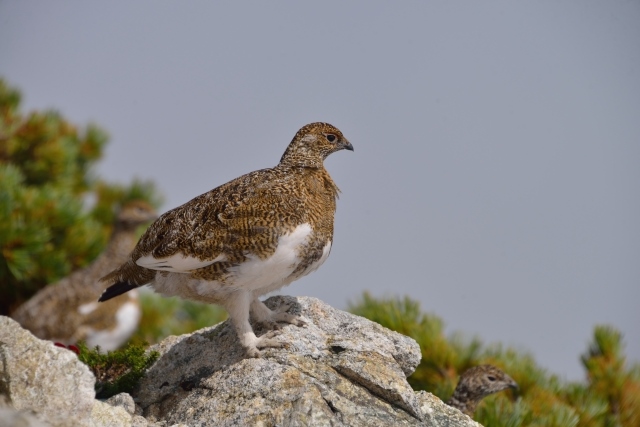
177	263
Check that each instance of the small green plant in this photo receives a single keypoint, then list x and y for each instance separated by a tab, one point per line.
117	371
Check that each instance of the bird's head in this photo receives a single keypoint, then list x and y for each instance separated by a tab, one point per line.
135	213
486	380
478	382
313	143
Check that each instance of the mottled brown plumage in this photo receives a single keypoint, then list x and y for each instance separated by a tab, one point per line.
475	384
245	238
67	311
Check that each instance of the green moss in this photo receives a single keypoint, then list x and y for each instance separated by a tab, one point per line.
117	371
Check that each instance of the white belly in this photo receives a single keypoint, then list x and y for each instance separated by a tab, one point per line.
257	275
276	270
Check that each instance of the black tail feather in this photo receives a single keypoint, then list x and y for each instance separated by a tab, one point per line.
115	290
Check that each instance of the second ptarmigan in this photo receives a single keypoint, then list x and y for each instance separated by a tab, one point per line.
248	237
477	383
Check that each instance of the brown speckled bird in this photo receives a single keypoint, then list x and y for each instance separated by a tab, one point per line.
248	237
475	384
67	311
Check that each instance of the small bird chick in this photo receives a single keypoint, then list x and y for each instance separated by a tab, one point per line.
67	311
477	383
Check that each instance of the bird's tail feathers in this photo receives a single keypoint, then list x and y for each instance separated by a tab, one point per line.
116	289
128	276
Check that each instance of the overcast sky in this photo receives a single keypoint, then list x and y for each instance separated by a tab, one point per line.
496	169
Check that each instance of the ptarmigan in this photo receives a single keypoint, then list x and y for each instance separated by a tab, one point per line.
67	311
248	237
477	383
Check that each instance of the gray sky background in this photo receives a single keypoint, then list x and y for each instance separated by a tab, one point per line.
497	144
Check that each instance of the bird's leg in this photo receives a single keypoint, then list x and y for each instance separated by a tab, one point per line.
238	307
270	318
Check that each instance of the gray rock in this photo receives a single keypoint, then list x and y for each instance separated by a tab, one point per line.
338	370
11	417
40	376
103	414
14	418
139	421
442	415
50	382
123	400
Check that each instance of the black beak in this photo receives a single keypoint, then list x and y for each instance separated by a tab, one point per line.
347	145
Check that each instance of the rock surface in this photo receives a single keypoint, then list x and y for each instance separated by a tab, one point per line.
37	374
11	417
338	370
50	381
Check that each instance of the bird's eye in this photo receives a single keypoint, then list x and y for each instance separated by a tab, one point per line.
491	378
331	137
